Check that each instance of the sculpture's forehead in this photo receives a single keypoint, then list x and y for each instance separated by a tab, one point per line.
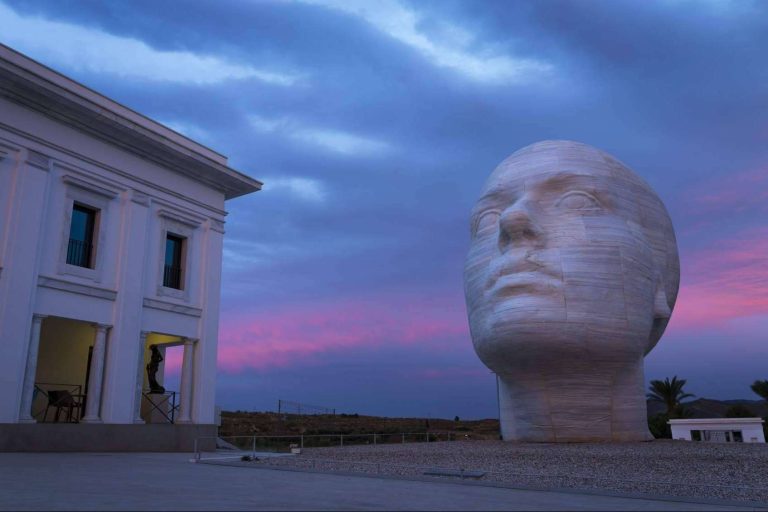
531	170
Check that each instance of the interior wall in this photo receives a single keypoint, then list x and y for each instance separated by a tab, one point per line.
63	356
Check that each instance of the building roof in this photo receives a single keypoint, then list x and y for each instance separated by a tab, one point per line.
27	82
715	421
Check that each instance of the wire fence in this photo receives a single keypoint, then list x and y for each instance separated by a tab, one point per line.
288	407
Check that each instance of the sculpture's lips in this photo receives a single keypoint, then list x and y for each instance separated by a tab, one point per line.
522	275
525	282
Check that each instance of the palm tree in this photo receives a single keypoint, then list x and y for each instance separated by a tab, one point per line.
670	393
760	387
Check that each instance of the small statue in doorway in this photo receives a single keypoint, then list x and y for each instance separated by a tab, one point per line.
154	364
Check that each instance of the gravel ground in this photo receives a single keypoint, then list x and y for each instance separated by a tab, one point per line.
732	471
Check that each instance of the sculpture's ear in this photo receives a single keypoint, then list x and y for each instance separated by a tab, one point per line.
661	314
660	304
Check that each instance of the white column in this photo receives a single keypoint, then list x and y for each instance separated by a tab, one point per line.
96	376
140	378
28	391
185	404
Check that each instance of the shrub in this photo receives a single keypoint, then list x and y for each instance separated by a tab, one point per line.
739	411
657	424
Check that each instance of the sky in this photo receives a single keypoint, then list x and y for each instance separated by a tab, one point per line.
374	125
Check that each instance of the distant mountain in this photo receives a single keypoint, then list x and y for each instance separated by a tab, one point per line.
711	408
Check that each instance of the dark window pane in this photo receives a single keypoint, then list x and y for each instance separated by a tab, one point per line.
172	270
80	245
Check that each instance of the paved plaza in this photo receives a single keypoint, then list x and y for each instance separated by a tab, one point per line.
161	481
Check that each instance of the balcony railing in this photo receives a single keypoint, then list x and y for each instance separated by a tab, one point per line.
172	277
79	253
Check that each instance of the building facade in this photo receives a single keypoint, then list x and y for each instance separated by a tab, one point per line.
111	231
719	430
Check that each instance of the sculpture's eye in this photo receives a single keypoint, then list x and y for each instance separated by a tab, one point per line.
486	220
579	200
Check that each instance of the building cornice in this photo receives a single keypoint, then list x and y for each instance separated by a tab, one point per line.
81	289
29	83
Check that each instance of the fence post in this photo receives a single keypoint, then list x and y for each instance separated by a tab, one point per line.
302	441
403	438
374	438
253	454
341	438
197	454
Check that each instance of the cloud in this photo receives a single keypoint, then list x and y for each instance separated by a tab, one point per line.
243	254
79	48
736	192
337	141
306	189
724	282
449	49
276	337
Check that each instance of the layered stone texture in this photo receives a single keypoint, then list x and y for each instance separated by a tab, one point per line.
570	281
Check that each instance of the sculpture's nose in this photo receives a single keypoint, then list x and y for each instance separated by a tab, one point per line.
517	228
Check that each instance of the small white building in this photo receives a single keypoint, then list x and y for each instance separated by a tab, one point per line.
111	230
719	430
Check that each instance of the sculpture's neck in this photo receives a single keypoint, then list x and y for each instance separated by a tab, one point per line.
602	404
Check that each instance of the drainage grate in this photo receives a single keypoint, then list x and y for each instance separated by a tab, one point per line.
460	473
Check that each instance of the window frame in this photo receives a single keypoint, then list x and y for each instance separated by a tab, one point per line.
91	234
182	226
178	259
96	198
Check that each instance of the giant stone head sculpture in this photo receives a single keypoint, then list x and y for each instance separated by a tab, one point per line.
570	281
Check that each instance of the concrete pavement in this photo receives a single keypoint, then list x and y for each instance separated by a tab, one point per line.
161	481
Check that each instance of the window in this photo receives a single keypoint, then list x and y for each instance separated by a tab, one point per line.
81	235
172	273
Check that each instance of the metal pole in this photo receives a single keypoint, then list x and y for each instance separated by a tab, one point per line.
403	438
374	438
254	447
197	454
279	406
341	437
302	441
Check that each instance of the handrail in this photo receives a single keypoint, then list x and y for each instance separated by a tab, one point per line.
79	252
170	415
376	436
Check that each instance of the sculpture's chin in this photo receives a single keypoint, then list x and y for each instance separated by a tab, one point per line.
511	344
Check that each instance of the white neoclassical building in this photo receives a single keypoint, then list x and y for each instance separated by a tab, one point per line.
111	229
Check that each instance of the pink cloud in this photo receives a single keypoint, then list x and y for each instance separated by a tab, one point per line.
172	363
284	335
724	282
736	192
